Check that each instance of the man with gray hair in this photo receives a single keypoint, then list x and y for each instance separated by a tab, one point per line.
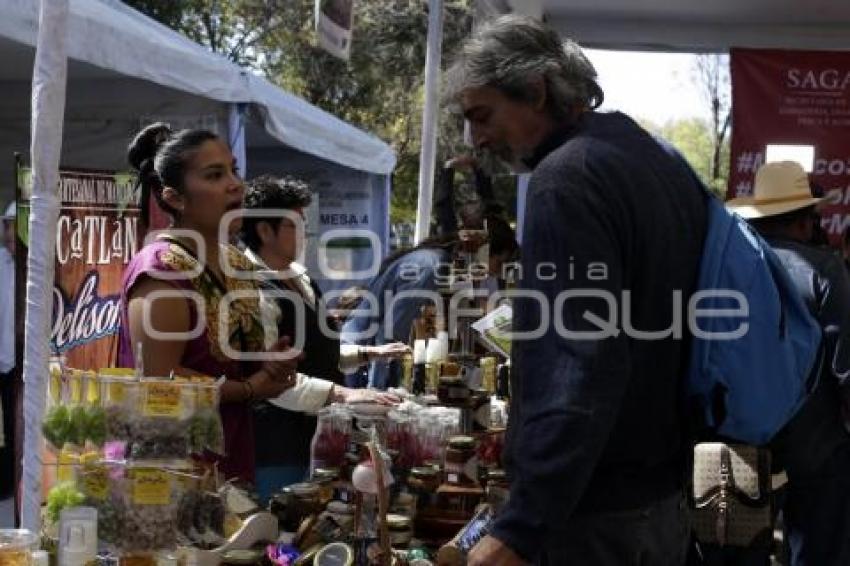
613	234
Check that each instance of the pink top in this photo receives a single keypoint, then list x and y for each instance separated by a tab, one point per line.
204	354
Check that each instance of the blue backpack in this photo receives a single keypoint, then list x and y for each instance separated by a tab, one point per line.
748	388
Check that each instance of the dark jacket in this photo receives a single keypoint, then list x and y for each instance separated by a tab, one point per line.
283	437
596	424
816	433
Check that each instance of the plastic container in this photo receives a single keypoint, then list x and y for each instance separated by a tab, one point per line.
16	546
143	507
160	419
77	536
73	420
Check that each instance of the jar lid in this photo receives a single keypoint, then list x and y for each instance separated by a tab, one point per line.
304	489
397	522
462	442
326	473
340	508
497	475
424	472
335	554
17	539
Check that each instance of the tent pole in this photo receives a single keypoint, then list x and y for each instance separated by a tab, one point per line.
236	135
430	117
48	111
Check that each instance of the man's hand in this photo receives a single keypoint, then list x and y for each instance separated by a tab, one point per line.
491	551
387	351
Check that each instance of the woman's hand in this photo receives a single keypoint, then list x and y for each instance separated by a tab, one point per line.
347	395
276	375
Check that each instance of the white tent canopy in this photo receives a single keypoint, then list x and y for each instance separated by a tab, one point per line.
125	70
110	41
699	25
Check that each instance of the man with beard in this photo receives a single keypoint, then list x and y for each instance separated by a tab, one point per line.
613	234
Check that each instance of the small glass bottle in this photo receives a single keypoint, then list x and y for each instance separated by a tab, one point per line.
461	463
423	482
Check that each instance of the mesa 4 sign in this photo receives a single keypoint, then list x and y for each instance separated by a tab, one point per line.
96	236
794	98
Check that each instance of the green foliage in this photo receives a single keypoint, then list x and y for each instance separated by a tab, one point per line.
379	89
62	496
693	138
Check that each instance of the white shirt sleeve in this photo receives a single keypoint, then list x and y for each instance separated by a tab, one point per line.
308	395
349	358
270	317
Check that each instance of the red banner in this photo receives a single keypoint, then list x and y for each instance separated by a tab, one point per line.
794	98
96	236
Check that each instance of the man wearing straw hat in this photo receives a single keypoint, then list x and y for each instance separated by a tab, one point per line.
814	448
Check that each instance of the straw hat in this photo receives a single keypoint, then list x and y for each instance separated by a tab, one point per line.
780	187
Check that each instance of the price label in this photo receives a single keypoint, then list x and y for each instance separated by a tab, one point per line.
162	400
151	487
117	393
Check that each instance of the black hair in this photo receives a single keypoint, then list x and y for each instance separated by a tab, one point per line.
501	235
268	192
779	224
159	156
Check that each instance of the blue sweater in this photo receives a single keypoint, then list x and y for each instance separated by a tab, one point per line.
596	424
396	296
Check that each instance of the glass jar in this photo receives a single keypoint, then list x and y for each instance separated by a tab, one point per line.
400	529
331	440
461	463
294	503
423	482
16	546
497	489
488	374
326	479
452	390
